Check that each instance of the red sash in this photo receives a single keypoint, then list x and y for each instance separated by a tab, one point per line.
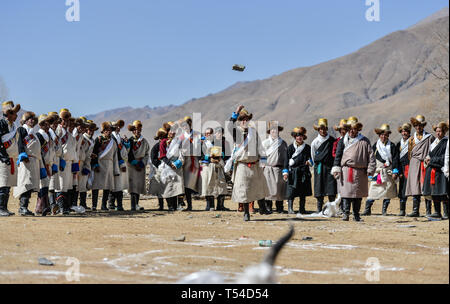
12	166
350	175
433	176
406	171
422	175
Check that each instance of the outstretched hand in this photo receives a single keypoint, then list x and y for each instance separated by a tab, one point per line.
239	109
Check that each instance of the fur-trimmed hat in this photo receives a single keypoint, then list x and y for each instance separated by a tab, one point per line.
92	126
161	133
8	106
442	125
44	118
243	114
299	130
136	124
274	124
406	126
64	114
106	126
54	117
418	120
118	124
322	122
342	125
385	128
352	122
167	125
26	116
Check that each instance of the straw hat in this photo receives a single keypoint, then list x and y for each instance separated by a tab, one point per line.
136	124
54	117
352	122
299	130
243	114
274	124
383	129
442	125
418	120
215	151
8	106
342	124
322	122
406	126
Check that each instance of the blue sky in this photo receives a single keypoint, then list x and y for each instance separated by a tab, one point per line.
148	52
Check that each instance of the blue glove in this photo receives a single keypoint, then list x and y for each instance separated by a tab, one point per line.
85	171
178	164
62	164
285	171
207	158
54	169
134	162
121	162
126	144
95	166
22	157
141	164
203	138
75	167
395	171
234	115
43	173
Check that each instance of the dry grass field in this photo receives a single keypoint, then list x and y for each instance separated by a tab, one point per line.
140	247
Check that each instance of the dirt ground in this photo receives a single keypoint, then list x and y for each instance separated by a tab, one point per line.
140	247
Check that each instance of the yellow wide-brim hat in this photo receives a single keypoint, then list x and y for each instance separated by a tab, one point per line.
136	124
352	122
418	120
385	128
342	125
322	122
8	106
406	126
442	125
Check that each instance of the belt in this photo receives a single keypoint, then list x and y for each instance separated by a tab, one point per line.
250	164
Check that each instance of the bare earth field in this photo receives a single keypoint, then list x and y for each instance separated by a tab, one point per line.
140	247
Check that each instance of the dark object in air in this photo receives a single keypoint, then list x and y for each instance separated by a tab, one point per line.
238	67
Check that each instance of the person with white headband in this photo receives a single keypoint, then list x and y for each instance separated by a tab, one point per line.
383	184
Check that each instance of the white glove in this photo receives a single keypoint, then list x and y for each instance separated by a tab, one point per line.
291	162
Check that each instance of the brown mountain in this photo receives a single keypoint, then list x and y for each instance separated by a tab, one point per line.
387	81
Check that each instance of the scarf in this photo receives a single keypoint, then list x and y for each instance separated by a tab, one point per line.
238	151
385	151
425	136
108	147
298	150
52	134
435	143
89	139
404	147
317	142
12	133
271	145
348	142
29	129
45	135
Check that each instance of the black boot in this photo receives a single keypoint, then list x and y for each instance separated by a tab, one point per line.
3	205
94	199
208	203
161	203
179	205
319	204
356	208
445	207
83	196
105	200
437	210
269	205
368	208
280	206
246	212
402	207
111	200
290	207
221	202
346	207
133	202
74	196
262	206
119	197
428	207
385	206
24	201
416	207
188	194
301	208
172	203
